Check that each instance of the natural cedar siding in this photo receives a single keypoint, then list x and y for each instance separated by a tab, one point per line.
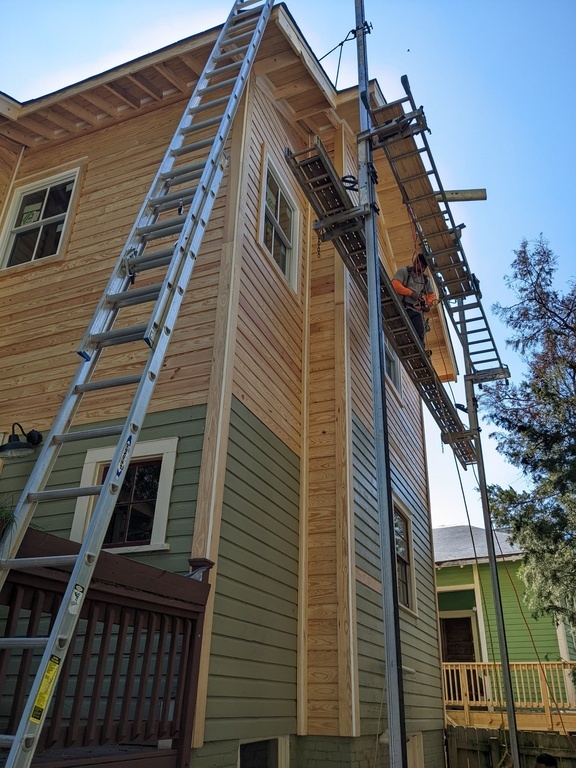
252	685
8	160
118	164
56	517
268	366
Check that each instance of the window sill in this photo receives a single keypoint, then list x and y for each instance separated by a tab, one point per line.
141	548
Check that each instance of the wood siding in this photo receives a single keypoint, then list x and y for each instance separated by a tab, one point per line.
117	166
252	683
523	632
268	366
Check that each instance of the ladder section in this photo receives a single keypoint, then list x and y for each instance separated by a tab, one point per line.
164	242
399	129
342	222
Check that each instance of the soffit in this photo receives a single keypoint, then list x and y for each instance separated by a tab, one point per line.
165	76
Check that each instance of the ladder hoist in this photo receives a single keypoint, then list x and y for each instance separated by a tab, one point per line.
166	235
341	221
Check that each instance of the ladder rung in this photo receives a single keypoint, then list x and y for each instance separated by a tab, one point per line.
218	86
65	493
202	124
158	226
237	38
150	260
234	52
208	105
24	563
163	229
94	386
87	434
196	145
6	740
226	68
194	170
23	642
134	296
167	201
119	336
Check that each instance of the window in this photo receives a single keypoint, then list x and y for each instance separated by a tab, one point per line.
259	754
392	365
140	518
403	559
133	516
279	230
37	220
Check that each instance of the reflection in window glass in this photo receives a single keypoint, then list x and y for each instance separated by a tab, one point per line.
133	515
403	563
278	225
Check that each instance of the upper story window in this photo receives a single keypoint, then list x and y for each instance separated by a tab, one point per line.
37	220
280	225
403	559
392	365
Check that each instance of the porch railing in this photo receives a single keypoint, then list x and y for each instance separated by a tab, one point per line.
543	693
130	674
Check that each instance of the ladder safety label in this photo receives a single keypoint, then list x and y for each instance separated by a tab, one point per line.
75	599
122	461
45	689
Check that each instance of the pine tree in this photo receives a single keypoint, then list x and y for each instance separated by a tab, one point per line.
537	430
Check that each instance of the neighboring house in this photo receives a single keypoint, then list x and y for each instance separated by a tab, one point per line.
467	619
257	451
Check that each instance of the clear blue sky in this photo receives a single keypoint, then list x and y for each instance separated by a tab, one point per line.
497	82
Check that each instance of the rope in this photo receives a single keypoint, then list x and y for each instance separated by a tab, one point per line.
350	36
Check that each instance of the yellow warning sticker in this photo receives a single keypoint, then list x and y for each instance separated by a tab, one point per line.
46	686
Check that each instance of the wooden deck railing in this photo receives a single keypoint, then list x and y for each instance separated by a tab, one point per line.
544	695
131	671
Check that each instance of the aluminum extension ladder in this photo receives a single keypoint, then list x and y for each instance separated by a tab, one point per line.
165	236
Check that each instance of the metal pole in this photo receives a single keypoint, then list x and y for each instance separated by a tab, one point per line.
472	404
390	614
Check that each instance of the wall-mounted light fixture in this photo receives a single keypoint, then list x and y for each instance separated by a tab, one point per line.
16	448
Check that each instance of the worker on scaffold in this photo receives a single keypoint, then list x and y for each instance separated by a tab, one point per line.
413	284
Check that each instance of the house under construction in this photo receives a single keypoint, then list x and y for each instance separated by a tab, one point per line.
192	566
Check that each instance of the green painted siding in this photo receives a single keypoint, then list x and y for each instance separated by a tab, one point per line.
56	517
419	638
523	632
460	600
454	576
252	683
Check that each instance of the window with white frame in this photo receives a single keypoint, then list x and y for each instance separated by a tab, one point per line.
37	220
392	365
140	517
280	224
403	558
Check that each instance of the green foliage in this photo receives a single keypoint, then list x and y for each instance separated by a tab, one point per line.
537	430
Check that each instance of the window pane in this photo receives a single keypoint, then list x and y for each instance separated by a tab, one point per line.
285	217
141	521
23	248
30	208
280	254
268	234
49	240
272	193
146	483
133	517
58	199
